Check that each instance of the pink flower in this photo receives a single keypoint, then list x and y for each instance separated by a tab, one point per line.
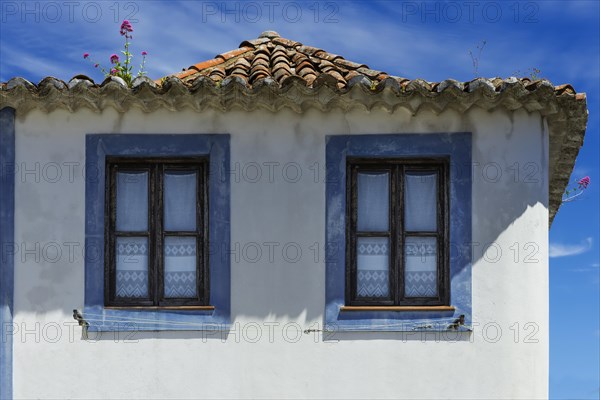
584	182
86	55
114	59
113	71
125	28
144	53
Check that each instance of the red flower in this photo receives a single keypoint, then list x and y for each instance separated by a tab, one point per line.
125	28
144	53
114	59
86	55
584	182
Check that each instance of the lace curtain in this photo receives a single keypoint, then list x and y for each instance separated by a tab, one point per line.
373	262
373	253
420	253
179	204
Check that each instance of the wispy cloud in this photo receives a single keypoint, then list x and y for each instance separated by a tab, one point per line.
565	250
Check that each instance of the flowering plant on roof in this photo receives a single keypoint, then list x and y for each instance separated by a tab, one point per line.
574	192
122	69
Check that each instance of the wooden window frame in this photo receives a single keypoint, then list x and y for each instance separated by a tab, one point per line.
397	168
156	168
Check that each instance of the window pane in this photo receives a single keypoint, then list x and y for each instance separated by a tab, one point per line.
373	267
373	201
132	201
180	201
180	266
420	207
420	275
132	267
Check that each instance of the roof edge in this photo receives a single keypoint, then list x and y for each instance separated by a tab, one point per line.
565	111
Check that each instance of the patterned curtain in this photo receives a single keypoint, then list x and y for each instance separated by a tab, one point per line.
420	258
420	261
132	252
180	266
180	252
132	267
373	267
373	253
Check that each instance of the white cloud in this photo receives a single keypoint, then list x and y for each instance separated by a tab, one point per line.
565	250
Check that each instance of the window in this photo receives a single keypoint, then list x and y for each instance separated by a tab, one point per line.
172	207
397	232
157	236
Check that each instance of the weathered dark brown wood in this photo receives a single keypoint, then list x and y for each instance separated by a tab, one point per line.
397	308
208	308
156	168
111	233
399	235
397	169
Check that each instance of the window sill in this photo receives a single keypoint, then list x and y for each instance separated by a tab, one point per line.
397	308
154	308
152	318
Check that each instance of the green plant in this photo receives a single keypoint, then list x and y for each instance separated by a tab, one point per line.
535	74
122	69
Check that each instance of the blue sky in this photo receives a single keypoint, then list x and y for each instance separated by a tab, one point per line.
412	39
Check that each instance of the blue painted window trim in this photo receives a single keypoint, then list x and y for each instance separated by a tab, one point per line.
455	146
98	147
7	230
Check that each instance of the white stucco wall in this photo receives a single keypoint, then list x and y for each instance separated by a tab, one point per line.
510	294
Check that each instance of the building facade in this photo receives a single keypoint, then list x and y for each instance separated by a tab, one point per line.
343	233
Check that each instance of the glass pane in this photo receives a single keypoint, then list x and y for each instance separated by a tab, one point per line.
180	266
132	267
373	267
132	201
420	201
373	201
420	273
180	201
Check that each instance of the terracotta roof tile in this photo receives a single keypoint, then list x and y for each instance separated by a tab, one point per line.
309	50
566	88
349	64
273	56
286	42
206	64
327	56
255	42
230	54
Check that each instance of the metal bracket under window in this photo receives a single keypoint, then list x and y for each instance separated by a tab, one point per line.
77	316
457	322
